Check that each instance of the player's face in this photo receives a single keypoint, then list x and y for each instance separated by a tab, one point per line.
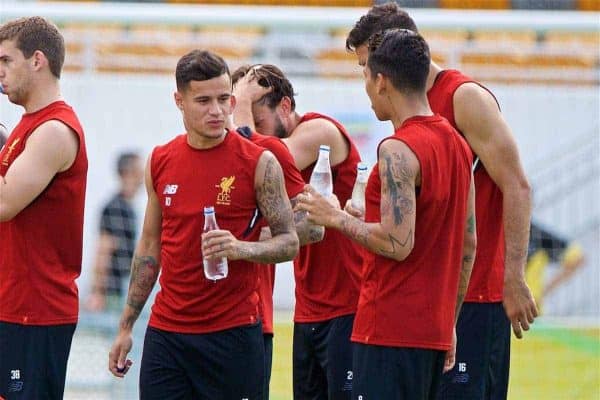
14	72
206	106
377	102
267	121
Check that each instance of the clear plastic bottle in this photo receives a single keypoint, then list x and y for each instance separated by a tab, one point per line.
213	269
321	178
358	192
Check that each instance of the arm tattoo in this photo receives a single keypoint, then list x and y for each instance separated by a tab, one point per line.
463	283
398	178
471	224
307	232
357	230
144	271
279	215
394	240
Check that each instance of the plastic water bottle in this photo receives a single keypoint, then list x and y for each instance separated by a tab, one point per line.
213	269
358	192
321	178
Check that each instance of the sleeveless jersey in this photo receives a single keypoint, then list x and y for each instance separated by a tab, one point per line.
185	181
487	279
411	303
328	273
40	248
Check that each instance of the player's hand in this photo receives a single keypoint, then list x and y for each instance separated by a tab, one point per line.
519	305
356	213
118	364
450	354
221	243
247	87
320	210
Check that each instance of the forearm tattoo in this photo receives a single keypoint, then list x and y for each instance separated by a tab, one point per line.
307	232
279	215
144	272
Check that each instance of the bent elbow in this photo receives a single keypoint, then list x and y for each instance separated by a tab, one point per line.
402	254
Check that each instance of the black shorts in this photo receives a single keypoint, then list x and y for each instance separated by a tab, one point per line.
399	373
268	340
323	359
482	355
33	360
221	365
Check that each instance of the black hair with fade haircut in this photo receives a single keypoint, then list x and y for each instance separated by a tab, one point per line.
199	65
379	18
36	33
402	56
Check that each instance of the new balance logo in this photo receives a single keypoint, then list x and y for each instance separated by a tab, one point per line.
170	189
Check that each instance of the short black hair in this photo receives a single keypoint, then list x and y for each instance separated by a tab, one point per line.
401	55
124	161
379	18
199	65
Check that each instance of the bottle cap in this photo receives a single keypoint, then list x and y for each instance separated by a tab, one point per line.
324	147
209	210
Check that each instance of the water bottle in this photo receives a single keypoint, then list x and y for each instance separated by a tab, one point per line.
358	192
213	269
321	178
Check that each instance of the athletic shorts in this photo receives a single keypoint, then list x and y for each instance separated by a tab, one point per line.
268	340
399	373
33	360
482	356
224	365
323	359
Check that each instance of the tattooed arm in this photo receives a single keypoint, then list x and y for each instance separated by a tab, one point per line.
275	207
469	246
307	232
393	237
144	272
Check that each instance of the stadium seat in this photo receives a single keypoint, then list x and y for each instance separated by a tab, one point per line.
588	5
543	4
476	4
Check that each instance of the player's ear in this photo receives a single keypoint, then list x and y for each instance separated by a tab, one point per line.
381	83
178	100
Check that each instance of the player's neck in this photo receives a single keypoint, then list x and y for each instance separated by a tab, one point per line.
41	96
294	121
434	70
405	107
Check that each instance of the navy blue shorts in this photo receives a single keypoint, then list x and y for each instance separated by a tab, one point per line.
323	359
482	355
399	373
33	360
268	340
220	365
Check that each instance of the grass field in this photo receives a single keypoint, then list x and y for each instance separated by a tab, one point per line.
551	363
